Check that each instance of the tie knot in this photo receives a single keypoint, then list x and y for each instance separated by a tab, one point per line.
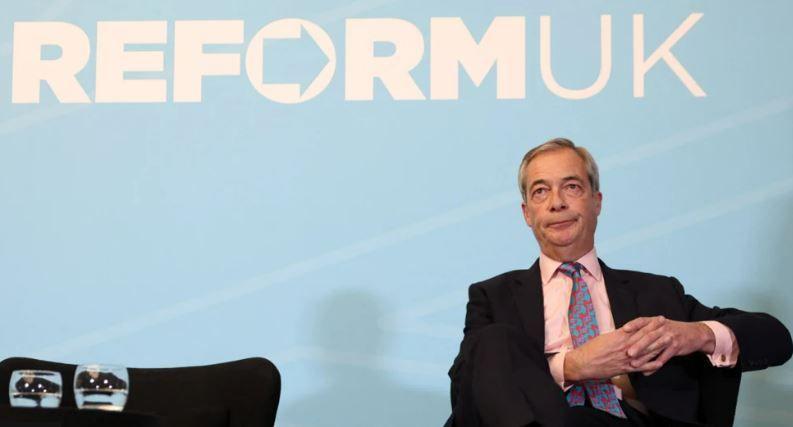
571	269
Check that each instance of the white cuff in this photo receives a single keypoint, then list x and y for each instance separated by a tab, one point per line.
725	353
556	365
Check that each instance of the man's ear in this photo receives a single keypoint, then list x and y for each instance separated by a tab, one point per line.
526	216
598	202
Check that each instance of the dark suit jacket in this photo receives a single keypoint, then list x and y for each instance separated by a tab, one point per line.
684	389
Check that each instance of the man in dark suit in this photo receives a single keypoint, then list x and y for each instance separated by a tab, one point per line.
572	342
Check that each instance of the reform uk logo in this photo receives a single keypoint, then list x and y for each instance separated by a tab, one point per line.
123	48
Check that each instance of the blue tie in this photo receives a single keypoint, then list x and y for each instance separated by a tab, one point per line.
583	327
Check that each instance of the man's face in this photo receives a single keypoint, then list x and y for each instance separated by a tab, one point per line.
560	207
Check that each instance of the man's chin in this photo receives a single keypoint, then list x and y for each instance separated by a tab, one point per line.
562	246
562	239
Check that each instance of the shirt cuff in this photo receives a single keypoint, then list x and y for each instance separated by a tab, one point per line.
556	365
725	353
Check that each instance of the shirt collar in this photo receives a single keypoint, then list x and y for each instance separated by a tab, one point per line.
549	266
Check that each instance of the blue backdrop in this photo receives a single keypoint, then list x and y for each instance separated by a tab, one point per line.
338	238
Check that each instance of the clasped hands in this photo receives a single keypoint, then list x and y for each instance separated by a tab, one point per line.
644	345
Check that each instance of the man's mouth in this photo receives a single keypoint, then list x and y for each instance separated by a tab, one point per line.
561	224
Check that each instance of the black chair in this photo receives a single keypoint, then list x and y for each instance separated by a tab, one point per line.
244	393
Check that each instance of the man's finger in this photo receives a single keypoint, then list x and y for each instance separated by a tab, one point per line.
653	325
647	343
636	324
648	367
645	359
668	353
650	324
650	372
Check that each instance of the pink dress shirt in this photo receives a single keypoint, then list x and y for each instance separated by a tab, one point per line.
556	289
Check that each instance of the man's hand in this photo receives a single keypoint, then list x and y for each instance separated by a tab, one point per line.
603	357
659	339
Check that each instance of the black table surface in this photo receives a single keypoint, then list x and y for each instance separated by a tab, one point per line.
72	417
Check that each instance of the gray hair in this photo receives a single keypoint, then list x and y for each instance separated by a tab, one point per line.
559	144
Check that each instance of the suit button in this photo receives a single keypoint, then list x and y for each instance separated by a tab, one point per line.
723	358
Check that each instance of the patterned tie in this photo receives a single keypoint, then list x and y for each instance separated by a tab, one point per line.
583	327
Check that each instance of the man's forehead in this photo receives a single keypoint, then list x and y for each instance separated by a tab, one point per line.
556	165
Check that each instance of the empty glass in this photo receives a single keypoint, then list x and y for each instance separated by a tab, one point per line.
103	387
30	388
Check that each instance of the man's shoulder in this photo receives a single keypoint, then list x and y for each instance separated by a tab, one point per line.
641	278
640	275
503	279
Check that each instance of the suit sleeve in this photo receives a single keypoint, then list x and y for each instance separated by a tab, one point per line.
762	339
477	315
477	311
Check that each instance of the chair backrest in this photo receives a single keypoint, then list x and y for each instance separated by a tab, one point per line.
244	393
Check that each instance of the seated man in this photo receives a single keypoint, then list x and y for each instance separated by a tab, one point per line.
572	342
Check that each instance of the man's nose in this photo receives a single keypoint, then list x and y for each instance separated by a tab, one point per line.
557	201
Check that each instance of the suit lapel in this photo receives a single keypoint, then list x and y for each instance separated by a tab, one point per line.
527	290
621	297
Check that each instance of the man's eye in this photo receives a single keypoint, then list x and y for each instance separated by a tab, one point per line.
574	188
539	194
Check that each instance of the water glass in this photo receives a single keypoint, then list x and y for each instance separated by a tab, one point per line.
103	387
30	388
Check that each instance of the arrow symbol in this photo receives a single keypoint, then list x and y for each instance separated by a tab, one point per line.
290	93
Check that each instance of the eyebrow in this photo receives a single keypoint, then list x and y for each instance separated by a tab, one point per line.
572	178
537	182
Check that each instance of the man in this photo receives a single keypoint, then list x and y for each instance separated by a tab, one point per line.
572	342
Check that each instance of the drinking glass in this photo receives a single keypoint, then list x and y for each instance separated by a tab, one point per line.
103	387
31	388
